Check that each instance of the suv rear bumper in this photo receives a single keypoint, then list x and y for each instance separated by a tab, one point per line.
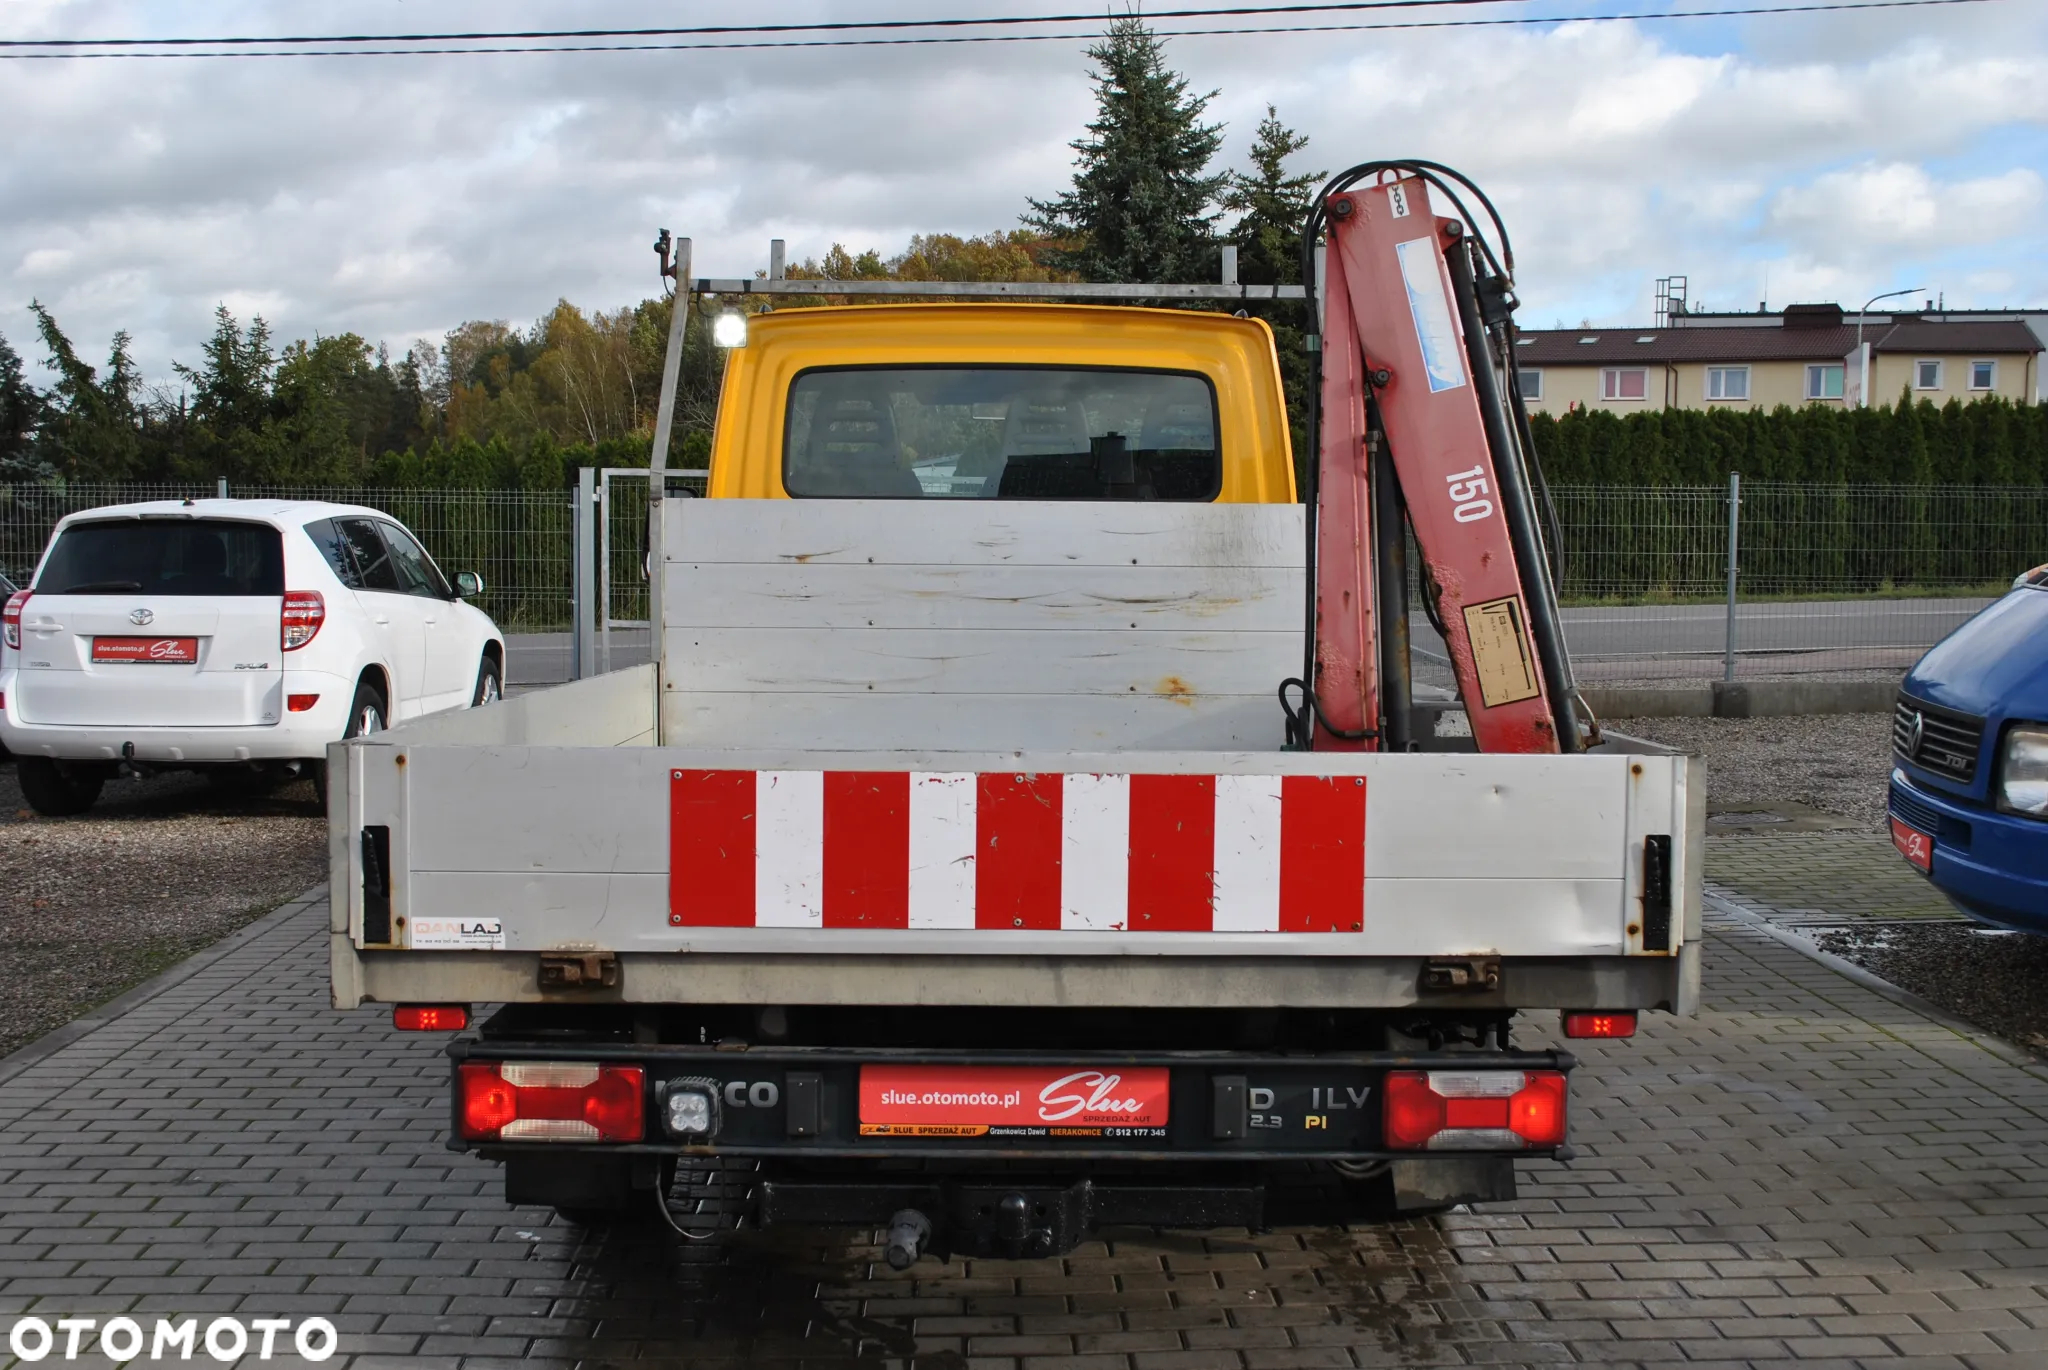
295	737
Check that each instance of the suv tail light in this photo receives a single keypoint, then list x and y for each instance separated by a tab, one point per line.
552	1101
304	612
1474	1110
11	617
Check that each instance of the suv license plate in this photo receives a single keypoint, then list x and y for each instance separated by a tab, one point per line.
160	651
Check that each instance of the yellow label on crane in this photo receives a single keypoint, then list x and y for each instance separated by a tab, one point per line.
1500	652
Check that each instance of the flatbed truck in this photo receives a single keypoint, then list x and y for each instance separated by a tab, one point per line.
1029	822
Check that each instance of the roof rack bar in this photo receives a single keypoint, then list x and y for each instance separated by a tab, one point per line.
1030	290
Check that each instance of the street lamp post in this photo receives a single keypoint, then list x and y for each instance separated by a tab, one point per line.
1863	362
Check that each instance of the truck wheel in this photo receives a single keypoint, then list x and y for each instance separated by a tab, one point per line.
366	715
490	685
57	789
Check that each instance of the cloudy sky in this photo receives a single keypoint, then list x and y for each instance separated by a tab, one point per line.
1788	158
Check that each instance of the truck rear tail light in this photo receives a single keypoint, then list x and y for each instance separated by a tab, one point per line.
298	704
1600	1024
299	621
552	1101
430	1017
1474	1110
10	618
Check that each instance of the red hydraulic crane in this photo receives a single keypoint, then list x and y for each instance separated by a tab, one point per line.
1421	426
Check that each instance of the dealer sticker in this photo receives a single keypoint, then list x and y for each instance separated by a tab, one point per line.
1916	846
1013	1101
458	934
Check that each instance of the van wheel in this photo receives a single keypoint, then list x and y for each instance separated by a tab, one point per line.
490	685
365	716
56	789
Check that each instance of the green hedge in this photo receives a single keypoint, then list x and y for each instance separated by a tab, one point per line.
540	464
1989	442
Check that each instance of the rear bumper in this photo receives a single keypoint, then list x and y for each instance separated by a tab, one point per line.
814	1103
1241	981
1993	866
296	737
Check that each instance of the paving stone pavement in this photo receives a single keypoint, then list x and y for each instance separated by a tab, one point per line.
1804	1173
1817	878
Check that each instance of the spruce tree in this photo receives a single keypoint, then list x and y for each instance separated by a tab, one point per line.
92	425
1271	206
1142	203
21	407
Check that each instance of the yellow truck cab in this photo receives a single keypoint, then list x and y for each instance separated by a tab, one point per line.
1003	401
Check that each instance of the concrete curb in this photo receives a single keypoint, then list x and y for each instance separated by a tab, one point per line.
2009	1052
1744	699
54	1041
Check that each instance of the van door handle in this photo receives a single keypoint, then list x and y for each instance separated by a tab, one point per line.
380	621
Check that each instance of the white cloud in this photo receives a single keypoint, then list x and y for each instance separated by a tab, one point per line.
398	197
1897	204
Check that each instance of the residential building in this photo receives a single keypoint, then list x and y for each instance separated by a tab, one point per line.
1808	354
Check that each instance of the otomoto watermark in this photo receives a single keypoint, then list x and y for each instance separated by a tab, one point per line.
126	1339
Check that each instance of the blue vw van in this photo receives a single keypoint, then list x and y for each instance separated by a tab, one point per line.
1969	791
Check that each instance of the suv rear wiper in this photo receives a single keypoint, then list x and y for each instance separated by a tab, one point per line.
98	587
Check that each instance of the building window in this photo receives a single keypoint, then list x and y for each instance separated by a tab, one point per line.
1530	380
1983	375
1727	382
1824	382
1624	383
1927	374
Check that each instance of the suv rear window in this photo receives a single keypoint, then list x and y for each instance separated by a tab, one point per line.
173	556
984	432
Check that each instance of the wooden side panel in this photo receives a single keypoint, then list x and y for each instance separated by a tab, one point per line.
880	595
972	625
982	533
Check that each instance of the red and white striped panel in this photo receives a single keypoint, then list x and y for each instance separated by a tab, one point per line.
1050	852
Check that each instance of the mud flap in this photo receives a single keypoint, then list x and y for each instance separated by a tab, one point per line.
598	1183
1425	1184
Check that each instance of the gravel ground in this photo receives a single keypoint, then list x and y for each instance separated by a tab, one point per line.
159	868
1837	763
1997	980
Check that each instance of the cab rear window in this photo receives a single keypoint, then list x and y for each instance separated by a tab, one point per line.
201	557
939	432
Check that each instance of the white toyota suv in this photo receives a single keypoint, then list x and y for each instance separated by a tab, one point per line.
237	637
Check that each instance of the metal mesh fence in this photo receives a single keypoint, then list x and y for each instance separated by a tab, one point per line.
517	540
1831	579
